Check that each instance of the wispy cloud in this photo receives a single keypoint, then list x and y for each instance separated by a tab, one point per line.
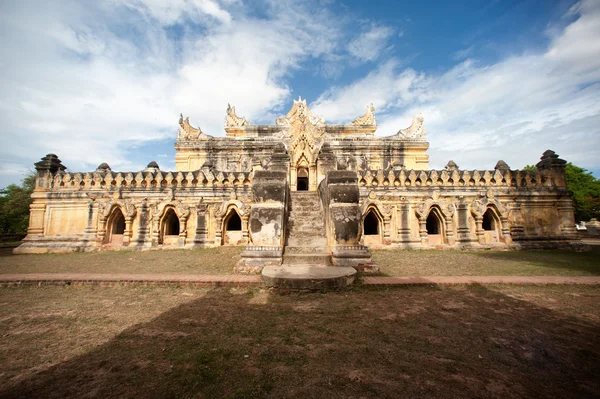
98	79
514	109
369	45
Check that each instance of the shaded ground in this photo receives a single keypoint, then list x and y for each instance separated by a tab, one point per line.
488	263
462	341
218	260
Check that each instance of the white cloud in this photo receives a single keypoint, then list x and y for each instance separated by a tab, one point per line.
370	44
514	109
92	81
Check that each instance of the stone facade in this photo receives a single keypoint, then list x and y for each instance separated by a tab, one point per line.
366	191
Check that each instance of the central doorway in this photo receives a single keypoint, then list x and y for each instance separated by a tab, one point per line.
302	182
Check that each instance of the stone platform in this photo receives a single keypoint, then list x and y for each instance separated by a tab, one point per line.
308	277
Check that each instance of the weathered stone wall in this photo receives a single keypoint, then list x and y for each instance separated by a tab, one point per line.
75	211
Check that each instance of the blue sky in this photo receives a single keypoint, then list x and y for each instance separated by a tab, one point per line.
105	81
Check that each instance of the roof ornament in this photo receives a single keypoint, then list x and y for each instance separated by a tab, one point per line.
188	132
368	118
232	120
416	130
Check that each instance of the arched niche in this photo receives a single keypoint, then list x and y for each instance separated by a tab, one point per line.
435	227
115	227
232	228
372	228
491	226
170	228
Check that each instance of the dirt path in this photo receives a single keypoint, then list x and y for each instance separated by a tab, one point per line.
245	280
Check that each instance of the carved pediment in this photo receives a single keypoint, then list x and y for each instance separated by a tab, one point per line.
305	133
300	112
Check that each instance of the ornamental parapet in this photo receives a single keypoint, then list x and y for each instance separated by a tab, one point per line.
453	178
109	180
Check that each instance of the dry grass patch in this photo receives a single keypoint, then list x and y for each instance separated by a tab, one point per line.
220	260
488	263
461	341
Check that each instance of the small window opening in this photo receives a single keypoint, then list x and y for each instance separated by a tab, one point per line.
371	224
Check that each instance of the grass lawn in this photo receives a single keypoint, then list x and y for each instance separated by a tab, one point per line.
220	260
459	341
392	262
488	263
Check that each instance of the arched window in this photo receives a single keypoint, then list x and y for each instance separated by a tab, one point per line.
433	223
233	223
371	224
489	222
171	223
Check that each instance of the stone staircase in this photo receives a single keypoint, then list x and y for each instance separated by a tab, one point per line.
306	241
306	256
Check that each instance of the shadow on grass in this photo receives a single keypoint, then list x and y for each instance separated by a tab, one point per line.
410	342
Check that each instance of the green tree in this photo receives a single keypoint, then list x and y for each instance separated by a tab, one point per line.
530	168
585	189
14	206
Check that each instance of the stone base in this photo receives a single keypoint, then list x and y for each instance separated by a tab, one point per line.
56	245
254	258
308	277
356	256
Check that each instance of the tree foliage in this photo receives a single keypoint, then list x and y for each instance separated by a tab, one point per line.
585	189
14	206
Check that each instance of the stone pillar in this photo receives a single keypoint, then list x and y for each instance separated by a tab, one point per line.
505	230
245	232
293	178
127	232
312	178
463	231
144	229
450	230
423	231
182	231
567	219
201	236
479	229
37	216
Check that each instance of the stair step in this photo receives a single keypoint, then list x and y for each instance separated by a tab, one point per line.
303	259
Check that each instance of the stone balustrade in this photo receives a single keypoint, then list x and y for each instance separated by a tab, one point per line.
454	178
109	180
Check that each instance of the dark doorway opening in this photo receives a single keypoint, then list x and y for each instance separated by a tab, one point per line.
234	223
489	223
371	224
302	184
433	224
171	223
302	181
118	226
